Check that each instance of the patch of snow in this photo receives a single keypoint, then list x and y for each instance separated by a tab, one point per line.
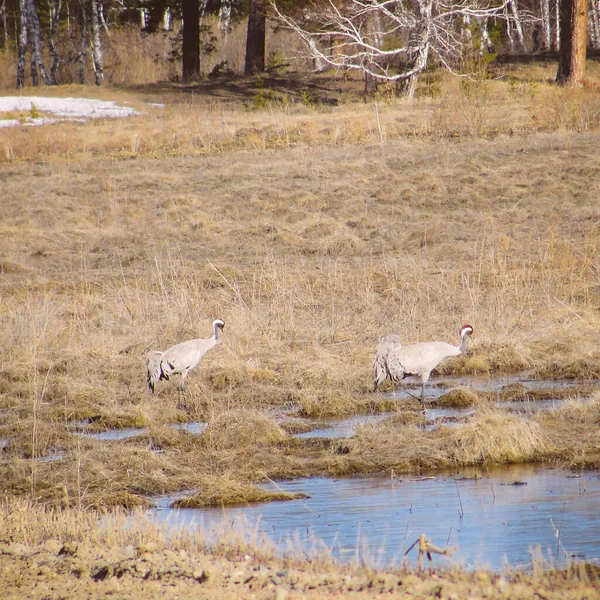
68	108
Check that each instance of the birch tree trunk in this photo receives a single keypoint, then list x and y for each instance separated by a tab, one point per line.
36	50
225	18
546	26
22	49
97	44
420	55
84	41
55	6
517	24
594	24
557	21
573	42
4	40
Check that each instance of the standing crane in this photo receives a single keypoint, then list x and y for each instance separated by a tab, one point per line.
396	361
180	359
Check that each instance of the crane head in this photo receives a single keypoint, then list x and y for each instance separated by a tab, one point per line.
219	323
466	330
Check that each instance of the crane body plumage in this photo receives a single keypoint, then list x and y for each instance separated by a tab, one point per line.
396	361
180	359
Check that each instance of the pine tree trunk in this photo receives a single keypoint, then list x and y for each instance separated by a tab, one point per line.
255	38
55	6
191	39
573	42
22	51
36	51
97	45
84	41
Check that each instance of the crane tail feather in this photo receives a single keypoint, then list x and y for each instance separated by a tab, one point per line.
153	368
380	371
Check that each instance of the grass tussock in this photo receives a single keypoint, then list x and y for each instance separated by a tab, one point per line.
493	436
488	437
238	429
457	398
224	491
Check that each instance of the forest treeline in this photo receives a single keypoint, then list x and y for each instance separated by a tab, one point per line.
389	41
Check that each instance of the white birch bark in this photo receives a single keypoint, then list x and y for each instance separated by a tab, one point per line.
97	57
516	19
4	43
84	41
54	6
319	64
557	21
22	42
594	24
225	18
36	50
546	26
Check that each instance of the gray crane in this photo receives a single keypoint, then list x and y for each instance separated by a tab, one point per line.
396	361
180	359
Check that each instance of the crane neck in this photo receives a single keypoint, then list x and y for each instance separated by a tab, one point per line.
463	343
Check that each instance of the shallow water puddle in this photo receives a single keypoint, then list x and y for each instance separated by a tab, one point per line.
129	432
492	521
441	385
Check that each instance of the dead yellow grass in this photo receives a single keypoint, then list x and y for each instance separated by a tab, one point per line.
118	237
70	553
497	437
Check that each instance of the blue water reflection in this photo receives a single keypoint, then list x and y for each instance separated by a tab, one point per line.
488	521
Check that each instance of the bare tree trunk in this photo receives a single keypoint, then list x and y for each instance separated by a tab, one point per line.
35	80
36	51
23	35
419	56
594	24
374	28
517	23
4	40
573	42
557	21
167	19
486	40
97	45
191	39
255	38
546	27
55	6
84	41
225	18
318	63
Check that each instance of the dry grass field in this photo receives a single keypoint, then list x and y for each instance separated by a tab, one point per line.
312	223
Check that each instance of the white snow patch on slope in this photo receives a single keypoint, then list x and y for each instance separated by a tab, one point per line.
72	109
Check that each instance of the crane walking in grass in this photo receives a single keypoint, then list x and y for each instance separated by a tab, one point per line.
396	361
180	359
